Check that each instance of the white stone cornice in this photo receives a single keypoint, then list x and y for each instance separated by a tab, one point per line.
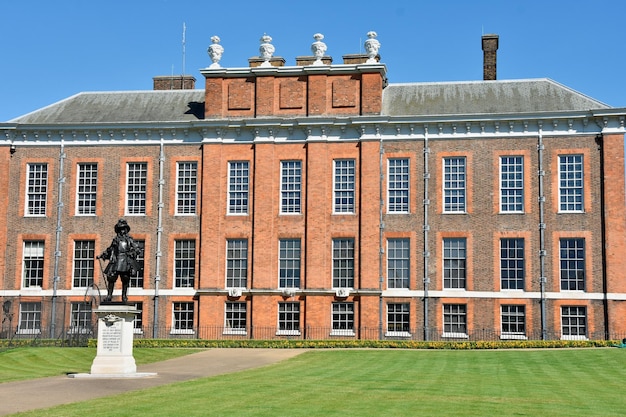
294	70
321	128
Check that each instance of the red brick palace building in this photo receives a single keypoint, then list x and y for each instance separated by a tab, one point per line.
321	201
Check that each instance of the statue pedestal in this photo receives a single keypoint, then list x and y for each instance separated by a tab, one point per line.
115	340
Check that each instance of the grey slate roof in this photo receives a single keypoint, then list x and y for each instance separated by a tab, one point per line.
415	99
121	106
484	97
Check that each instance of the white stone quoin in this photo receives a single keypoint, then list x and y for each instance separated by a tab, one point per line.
115	340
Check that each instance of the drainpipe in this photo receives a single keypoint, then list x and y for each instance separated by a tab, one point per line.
605	288
426	227
542	234
381	228
157	276
57	248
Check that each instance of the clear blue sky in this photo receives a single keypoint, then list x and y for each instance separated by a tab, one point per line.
51	50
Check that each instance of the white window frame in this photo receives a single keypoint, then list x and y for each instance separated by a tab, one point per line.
36	204
238	188
81	315
452	314
138	321
571	183
342	318
81	263
186	188
184	263
512	184
514	315
236	266
574	256
86	188
236	309
456	263
139	277
343	262
344	186
33	262
398	185
511	263
291	187
398	263
566	314
289	262
288	322
177	320
136	188
30	319
405	312
454	185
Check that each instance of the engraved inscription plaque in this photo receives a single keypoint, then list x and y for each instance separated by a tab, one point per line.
112	337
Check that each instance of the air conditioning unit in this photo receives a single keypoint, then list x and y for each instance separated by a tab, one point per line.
234	292
342	292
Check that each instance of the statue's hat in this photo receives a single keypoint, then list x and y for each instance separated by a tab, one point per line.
121	224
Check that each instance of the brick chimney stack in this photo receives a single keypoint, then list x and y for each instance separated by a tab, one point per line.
174	82
490	48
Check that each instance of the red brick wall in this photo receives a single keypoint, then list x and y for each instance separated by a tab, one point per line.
615	237
264	94
5	160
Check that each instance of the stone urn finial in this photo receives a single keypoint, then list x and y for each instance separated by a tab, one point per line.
266	50
215	51
371	47
318	48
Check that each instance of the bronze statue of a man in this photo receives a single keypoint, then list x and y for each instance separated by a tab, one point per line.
122	255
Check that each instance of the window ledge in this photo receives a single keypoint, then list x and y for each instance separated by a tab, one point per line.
513	336
339	332
182	331
28	331
288	333
79	331
397	334
241	332
574	338
456	335
32	288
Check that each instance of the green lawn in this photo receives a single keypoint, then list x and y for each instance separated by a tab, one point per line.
27	363
576	382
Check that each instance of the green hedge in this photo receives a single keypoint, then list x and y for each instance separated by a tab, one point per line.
376	344
6	343
330	344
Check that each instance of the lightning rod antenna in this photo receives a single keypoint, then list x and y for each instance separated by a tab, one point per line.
182	78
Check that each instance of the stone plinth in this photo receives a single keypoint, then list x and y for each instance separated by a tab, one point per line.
115	340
